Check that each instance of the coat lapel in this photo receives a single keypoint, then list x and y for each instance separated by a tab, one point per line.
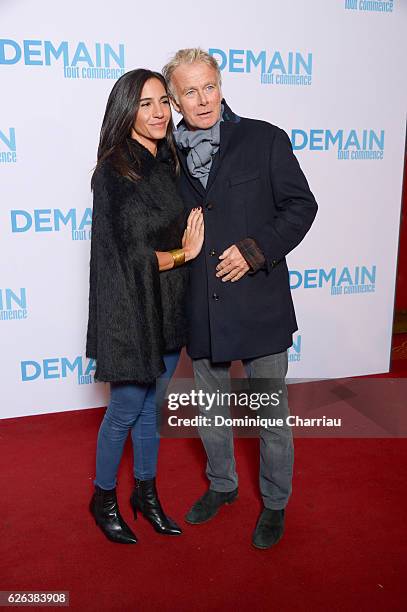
227	129
196	183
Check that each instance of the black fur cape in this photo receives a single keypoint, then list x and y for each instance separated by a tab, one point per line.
136	313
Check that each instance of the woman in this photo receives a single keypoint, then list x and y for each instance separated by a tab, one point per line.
136	322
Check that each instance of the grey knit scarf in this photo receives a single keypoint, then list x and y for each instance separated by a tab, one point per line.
202	145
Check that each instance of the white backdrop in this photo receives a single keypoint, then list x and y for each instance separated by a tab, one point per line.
351	55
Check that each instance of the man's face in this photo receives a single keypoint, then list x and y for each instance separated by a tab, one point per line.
198	94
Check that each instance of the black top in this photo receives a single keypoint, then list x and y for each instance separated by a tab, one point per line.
136	313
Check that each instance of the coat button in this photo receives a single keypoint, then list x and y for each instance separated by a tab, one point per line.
215	296
209	206
212	252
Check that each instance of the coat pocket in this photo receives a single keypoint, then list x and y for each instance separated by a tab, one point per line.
244	177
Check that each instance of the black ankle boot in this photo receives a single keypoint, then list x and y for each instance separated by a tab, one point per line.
105	510
145	499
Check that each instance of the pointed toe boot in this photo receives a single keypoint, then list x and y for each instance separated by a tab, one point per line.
145	500
103	506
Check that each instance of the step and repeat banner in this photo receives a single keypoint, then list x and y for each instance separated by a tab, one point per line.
329	72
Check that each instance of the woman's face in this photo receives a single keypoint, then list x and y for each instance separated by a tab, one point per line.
153	115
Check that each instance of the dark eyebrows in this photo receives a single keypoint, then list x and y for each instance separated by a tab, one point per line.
145	99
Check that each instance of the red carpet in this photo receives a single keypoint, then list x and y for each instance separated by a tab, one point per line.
344	548
399	355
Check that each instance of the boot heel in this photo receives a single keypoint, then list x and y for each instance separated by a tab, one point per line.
145	500
133	507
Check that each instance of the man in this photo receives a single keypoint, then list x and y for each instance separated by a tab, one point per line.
257	208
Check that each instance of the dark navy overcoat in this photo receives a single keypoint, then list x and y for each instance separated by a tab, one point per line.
256	189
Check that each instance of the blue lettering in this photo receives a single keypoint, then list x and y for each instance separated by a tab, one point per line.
352	140
310	279
98	55
330	276
119	58
11	297
277	63
40	218
375	139
297	344
345	277
25	375
17	50
224	59
21	220
82	55
293	284
70	216
331	138
369	276
14	217
252	59
66	365
11	52
10	142
315	140
91	367
325	139
51	50
86	219
233	60
297	146
306	64
51	368
28	52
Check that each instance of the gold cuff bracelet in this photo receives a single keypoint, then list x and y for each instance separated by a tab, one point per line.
178	256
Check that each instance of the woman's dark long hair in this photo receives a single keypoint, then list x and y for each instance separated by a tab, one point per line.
118	121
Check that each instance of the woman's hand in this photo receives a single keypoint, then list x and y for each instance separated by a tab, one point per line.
193	238
192	241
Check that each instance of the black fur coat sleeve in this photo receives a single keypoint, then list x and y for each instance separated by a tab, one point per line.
136	313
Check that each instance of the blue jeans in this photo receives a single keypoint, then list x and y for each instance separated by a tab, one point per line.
131	408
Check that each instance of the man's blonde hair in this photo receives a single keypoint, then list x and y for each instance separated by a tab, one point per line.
188	56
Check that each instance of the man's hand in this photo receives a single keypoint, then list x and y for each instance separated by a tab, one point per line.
232	266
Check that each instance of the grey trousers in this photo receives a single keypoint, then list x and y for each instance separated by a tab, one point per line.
276	443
